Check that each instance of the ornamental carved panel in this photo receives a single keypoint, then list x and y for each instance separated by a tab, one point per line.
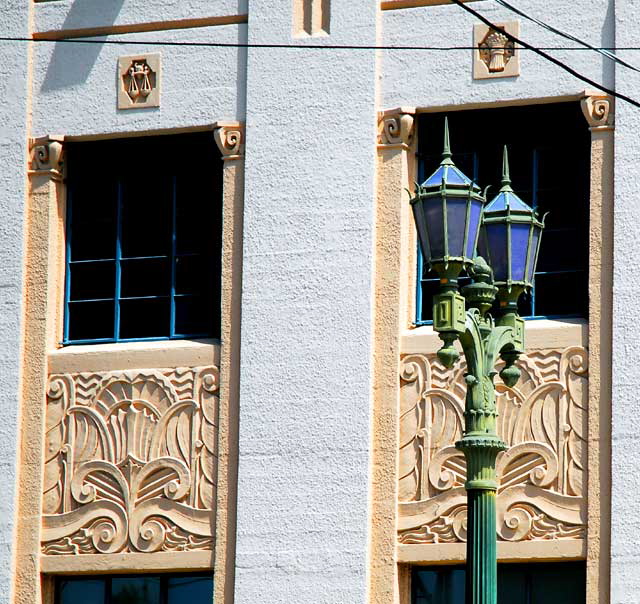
542	493
130	461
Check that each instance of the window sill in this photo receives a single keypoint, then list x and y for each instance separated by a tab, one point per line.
134	355
539	334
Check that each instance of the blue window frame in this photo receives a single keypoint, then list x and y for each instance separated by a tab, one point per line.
195	588
549	156
143	239
531	583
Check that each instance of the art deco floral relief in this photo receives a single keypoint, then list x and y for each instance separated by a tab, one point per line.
542	475
130	461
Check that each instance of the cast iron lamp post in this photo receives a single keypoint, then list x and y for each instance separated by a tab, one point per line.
454	225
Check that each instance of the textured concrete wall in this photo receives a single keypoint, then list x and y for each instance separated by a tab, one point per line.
437	78
78	14
625	453
305	388
13	154
75	84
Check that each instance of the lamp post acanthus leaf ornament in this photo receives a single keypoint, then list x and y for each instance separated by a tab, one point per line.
453	223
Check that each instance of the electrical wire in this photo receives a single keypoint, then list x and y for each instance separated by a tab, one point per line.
546	56
94	40
605	52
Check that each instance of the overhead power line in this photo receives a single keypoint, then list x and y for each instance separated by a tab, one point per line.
95	40
546	56
603	51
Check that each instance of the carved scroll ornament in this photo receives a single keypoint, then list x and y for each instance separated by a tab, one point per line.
598	111
47	156
542	475
229	137
130	461
396	127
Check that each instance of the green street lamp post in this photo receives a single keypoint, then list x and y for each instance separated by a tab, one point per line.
497	245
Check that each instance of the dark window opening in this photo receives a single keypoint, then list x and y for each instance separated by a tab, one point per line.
549	157
143	239
136	589
532	583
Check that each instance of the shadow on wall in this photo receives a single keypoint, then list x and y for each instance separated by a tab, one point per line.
71	62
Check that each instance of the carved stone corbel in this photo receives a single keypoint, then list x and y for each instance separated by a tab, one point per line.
396	128
230	139
598	110
47	156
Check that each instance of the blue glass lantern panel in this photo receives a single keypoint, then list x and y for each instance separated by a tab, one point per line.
533	252
434	221
475	215
419	219
456	225
496	244
519	250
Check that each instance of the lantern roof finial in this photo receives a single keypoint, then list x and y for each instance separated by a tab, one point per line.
506	178
446	151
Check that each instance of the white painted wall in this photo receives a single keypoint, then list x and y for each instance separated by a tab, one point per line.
78	14
625	503
75	84
13	175
305	391
435	78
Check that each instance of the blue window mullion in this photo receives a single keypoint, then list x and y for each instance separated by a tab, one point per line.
534	204
67	268
172	321
116	318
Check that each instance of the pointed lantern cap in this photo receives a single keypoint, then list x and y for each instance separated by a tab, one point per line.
510	235
447	209
506	200
447	174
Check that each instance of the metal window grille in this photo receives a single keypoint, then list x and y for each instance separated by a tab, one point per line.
143	240
549	151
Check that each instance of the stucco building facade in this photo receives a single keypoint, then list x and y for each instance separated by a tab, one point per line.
297	443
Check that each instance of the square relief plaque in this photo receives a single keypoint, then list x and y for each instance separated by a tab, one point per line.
139	81
494	55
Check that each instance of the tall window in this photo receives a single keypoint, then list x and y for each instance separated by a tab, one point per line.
549	155
143	239
531	583
136	589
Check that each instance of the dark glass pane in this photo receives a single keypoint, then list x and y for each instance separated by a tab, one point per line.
86	591
561	294
148	277
566	583
533	252
497	245
456	225
519	250
562	249
512	584
92	216
91	320
193	273
191	590
91	280
195	315
147	215
434	220
135	590
474	225
423	235
442	586
198	214
147	318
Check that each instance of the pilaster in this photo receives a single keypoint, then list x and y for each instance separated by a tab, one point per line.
394	271
229	137
598	110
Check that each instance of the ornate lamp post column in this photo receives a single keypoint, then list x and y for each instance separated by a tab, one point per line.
452	223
